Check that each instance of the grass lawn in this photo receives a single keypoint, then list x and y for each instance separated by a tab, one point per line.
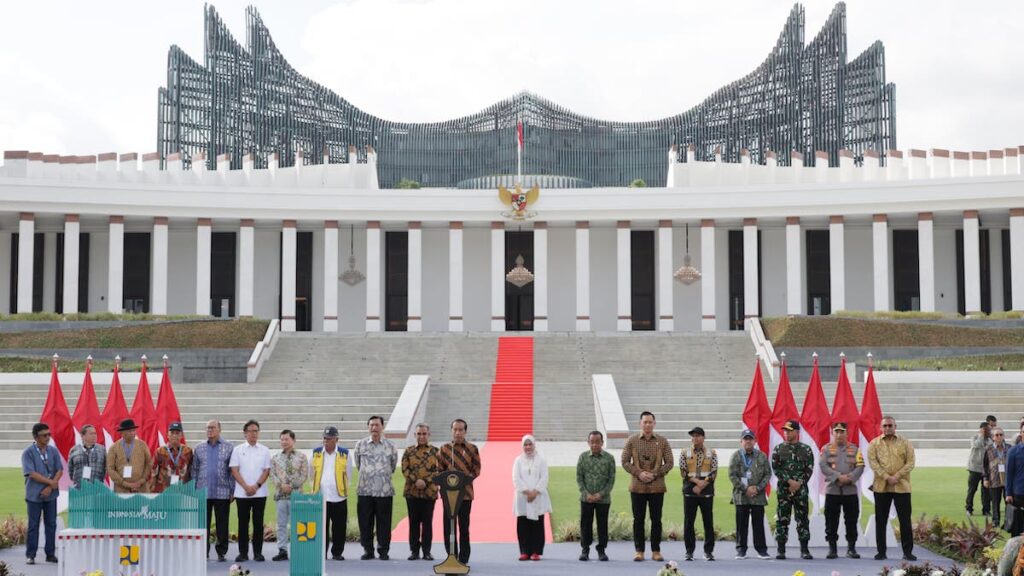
199	334
937	492
829	331
958	363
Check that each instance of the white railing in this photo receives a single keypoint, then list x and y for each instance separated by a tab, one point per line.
611	418
264	348
409	411
764	349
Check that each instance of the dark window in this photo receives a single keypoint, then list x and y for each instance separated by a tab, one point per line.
518	301
1007	278
736	296
642	279
396	278
819	273
223	247
37	272
136	272
906	270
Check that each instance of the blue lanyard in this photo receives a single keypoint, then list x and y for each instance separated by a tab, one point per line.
128	448
748	461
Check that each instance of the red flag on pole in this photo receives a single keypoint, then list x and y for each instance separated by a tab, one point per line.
144	413
56	415
784	410
87	411
166	406
870	428
519	134
814	424
844	407
115	408
756	414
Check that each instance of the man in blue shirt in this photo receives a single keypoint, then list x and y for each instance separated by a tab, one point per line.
41	465
1015	486
210	470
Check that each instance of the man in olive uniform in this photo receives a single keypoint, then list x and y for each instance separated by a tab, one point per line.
793	463
841	465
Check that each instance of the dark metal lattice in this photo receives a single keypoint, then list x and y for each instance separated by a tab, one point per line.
249	99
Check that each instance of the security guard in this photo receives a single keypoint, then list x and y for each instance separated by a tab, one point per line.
793	463
841	465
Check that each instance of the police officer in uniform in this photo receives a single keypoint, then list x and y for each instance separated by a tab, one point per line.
793	463
841	465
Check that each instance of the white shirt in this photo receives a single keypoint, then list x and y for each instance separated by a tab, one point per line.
328	479
251	461
531	474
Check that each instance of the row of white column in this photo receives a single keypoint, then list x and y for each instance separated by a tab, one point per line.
664	269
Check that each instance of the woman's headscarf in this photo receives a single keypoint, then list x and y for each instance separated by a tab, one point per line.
528	438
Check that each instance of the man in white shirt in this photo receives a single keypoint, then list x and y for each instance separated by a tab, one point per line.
331	468
250	467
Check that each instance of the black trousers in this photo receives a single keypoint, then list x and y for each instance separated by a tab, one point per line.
337	525
531	535
587	510
997	497
1018	523
641	503
754	515
375	511
883	502
221	509
691	504
254	507
421	523
462	548
849	506
974	480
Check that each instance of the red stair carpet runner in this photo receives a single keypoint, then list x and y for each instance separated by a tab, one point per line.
511	414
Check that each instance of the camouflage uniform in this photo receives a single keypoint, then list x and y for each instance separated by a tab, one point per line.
792	462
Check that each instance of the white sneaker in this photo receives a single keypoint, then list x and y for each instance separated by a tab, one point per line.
741	556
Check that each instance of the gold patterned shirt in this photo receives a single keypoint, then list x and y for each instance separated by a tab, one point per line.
420	463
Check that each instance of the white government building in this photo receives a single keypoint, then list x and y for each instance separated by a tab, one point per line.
323	248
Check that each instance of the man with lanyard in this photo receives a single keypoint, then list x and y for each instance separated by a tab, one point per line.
420	466
465	457
699	468
211	472
86	460
42	468
173	462
841	465
750	474
129	463
793	463
995	472
331	468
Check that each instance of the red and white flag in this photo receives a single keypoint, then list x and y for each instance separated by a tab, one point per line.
814	424
144	413
58	418
166	406
87	411
844	407
870	428
756	414
784	410
519	151
115	409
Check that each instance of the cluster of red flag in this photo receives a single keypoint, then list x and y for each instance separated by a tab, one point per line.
815	418
151	419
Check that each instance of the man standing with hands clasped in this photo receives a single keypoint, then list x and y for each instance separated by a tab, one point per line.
376	459
648	458
841	464
42	468
891	458
128	462
289	468
595	476
793	463
250	467
699	468
750	473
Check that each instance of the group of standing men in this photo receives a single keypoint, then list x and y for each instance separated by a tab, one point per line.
989	471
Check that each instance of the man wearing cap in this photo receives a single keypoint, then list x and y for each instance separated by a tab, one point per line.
331	467
647	457
87	461
211	471
699	468
750	473
891	458
129	463
976	469
793	463
289	470
173	462
841	465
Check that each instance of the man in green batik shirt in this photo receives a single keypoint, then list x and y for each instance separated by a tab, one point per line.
595	476
793	463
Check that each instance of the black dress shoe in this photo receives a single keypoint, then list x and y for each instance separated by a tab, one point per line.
880	556
221	558
51	559
584	556
428	556
337	557
242	558
907	557
281	556
414	556
366	556
602	556
384	556
259	558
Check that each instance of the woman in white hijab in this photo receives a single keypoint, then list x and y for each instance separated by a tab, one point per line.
532	502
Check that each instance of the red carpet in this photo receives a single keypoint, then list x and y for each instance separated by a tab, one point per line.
511	414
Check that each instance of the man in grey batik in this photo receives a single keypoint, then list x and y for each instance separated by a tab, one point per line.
376	459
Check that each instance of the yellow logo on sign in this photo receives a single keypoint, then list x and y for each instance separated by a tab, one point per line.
130	555
306	531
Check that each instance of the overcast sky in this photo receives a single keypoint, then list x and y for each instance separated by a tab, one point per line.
82	77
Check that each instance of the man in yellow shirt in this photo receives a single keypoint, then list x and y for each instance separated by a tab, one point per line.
891	458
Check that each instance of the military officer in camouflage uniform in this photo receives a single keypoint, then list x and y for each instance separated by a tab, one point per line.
793	463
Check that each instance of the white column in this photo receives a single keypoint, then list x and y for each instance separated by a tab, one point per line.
540	277
880	247
708	323
455	277
115	266
794	269
1017	259
750	269
26	270
246	268
972	263
331	276
373	277
204	236
415	322
837	262
624	276
158	274
288	256
49	271
583	277
666	319
497	276
72	229
926	260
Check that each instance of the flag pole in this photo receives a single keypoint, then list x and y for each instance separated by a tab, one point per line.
519	151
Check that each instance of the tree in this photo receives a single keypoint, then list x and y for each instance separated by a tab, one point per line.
407	184
638	183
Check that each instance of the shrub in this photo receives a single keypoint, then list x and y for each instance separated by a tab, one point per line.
964	542
12	532
925	569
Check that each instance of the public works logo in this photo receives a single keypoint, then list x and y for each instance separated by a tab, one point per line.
130	555
306	531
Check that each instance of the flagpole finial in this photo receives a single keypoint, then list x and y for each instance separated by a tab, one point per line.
815	355
117	361
870	359
55	359
165	360
842	354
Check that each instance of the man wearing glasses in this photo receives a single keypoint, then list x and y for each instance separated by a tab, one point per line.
41	465
995	472
891	458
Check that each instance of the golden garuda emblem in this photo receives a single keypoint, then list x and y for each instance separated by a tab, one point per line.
519	201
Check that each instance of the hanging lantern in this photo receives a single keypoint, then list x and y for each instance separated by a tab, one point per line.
519	276
352	276
687	274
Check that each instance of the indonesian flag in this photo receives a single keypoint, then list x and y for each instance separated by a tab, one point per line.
56	416
144	414
844	407
87	411
166	407
115	408
756	414
519	134
785	409
814	424
870	428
